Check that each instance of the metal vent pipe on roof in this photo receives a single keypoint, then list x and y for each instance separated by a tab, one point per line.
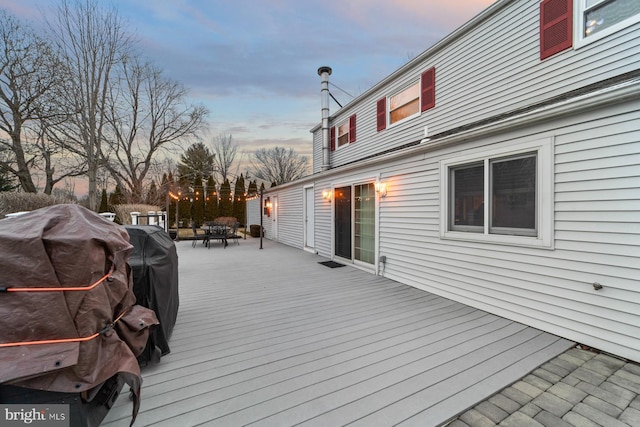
324	73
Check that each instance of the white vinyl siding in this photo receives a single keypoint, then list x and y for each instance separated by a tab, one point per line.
595	226
253	211
596	235
289	216
490	70
592	171
317	151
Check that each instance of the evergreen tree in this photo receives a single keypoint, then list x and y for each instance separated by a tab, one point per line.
163	195
117	197
7	183
225	207
253	189
211	200
103	201
239	200
184	210
169	186
197	207
196	160
153	198
164	184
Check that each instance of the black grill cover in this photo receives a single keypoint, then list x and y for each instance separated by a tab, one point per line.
154	262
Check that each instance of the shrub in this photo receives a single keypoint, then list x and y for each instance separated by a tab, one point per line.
18	202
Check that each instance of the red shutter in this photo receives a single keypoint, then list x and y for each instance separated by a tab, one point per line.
333	139
381	111
428	89
556	26
352	128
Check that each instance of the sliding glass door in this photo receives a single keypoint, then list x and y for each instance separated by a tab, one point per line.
364	222
343	222
355	220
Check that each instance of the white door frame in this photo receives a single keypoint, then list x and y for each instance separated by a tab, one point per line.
274	217
309	218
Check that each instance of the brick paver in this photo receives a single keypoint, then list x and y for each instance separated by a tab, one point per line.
547	419
518	419
631	416
579	388
506	404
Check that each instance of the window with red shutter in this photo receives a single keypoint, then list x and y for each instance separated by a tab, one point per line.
428	89
352	128
381	112
556	26
332	139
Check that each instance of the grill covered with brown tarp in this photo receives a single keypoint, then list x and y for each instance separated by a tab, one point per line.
67	309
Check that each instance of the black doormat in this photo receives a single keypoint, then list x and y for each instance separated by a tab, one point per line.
331	264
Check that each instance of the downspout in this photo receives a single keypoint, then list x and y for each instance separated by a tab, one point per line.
324	73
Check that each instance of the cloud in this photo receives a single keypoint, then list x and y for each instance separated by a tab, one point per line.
23	10
275	47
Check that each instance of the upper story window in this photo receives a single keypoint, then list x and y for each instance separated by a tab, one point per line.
404	104
343	134
597	18
409	102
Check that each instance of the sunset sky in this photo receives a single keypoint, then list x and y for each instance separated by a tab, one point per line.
254	63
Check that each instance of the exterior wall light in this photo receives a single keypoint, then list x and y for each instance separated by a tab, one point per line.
267	206
327	194
381	188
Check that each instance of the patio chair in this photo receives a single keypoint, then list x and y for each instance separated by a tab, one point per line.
196	236
233	233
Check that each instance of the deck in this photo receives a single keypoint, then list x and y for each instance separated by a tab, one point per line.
273	338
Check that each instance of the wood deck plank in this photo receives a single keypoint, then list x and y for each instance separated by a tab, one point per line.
294	378
288	341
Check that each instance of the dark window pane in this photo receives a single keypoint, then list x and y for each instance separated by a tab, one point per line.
514	193
468	195
343	221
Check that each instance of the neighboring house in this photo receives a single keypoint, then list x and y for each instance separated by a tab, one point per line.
500	168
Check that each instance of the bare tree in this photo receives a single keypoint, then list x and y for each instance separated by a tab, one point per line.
56	163
225	154
91	40
278	165
146	113
29	70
